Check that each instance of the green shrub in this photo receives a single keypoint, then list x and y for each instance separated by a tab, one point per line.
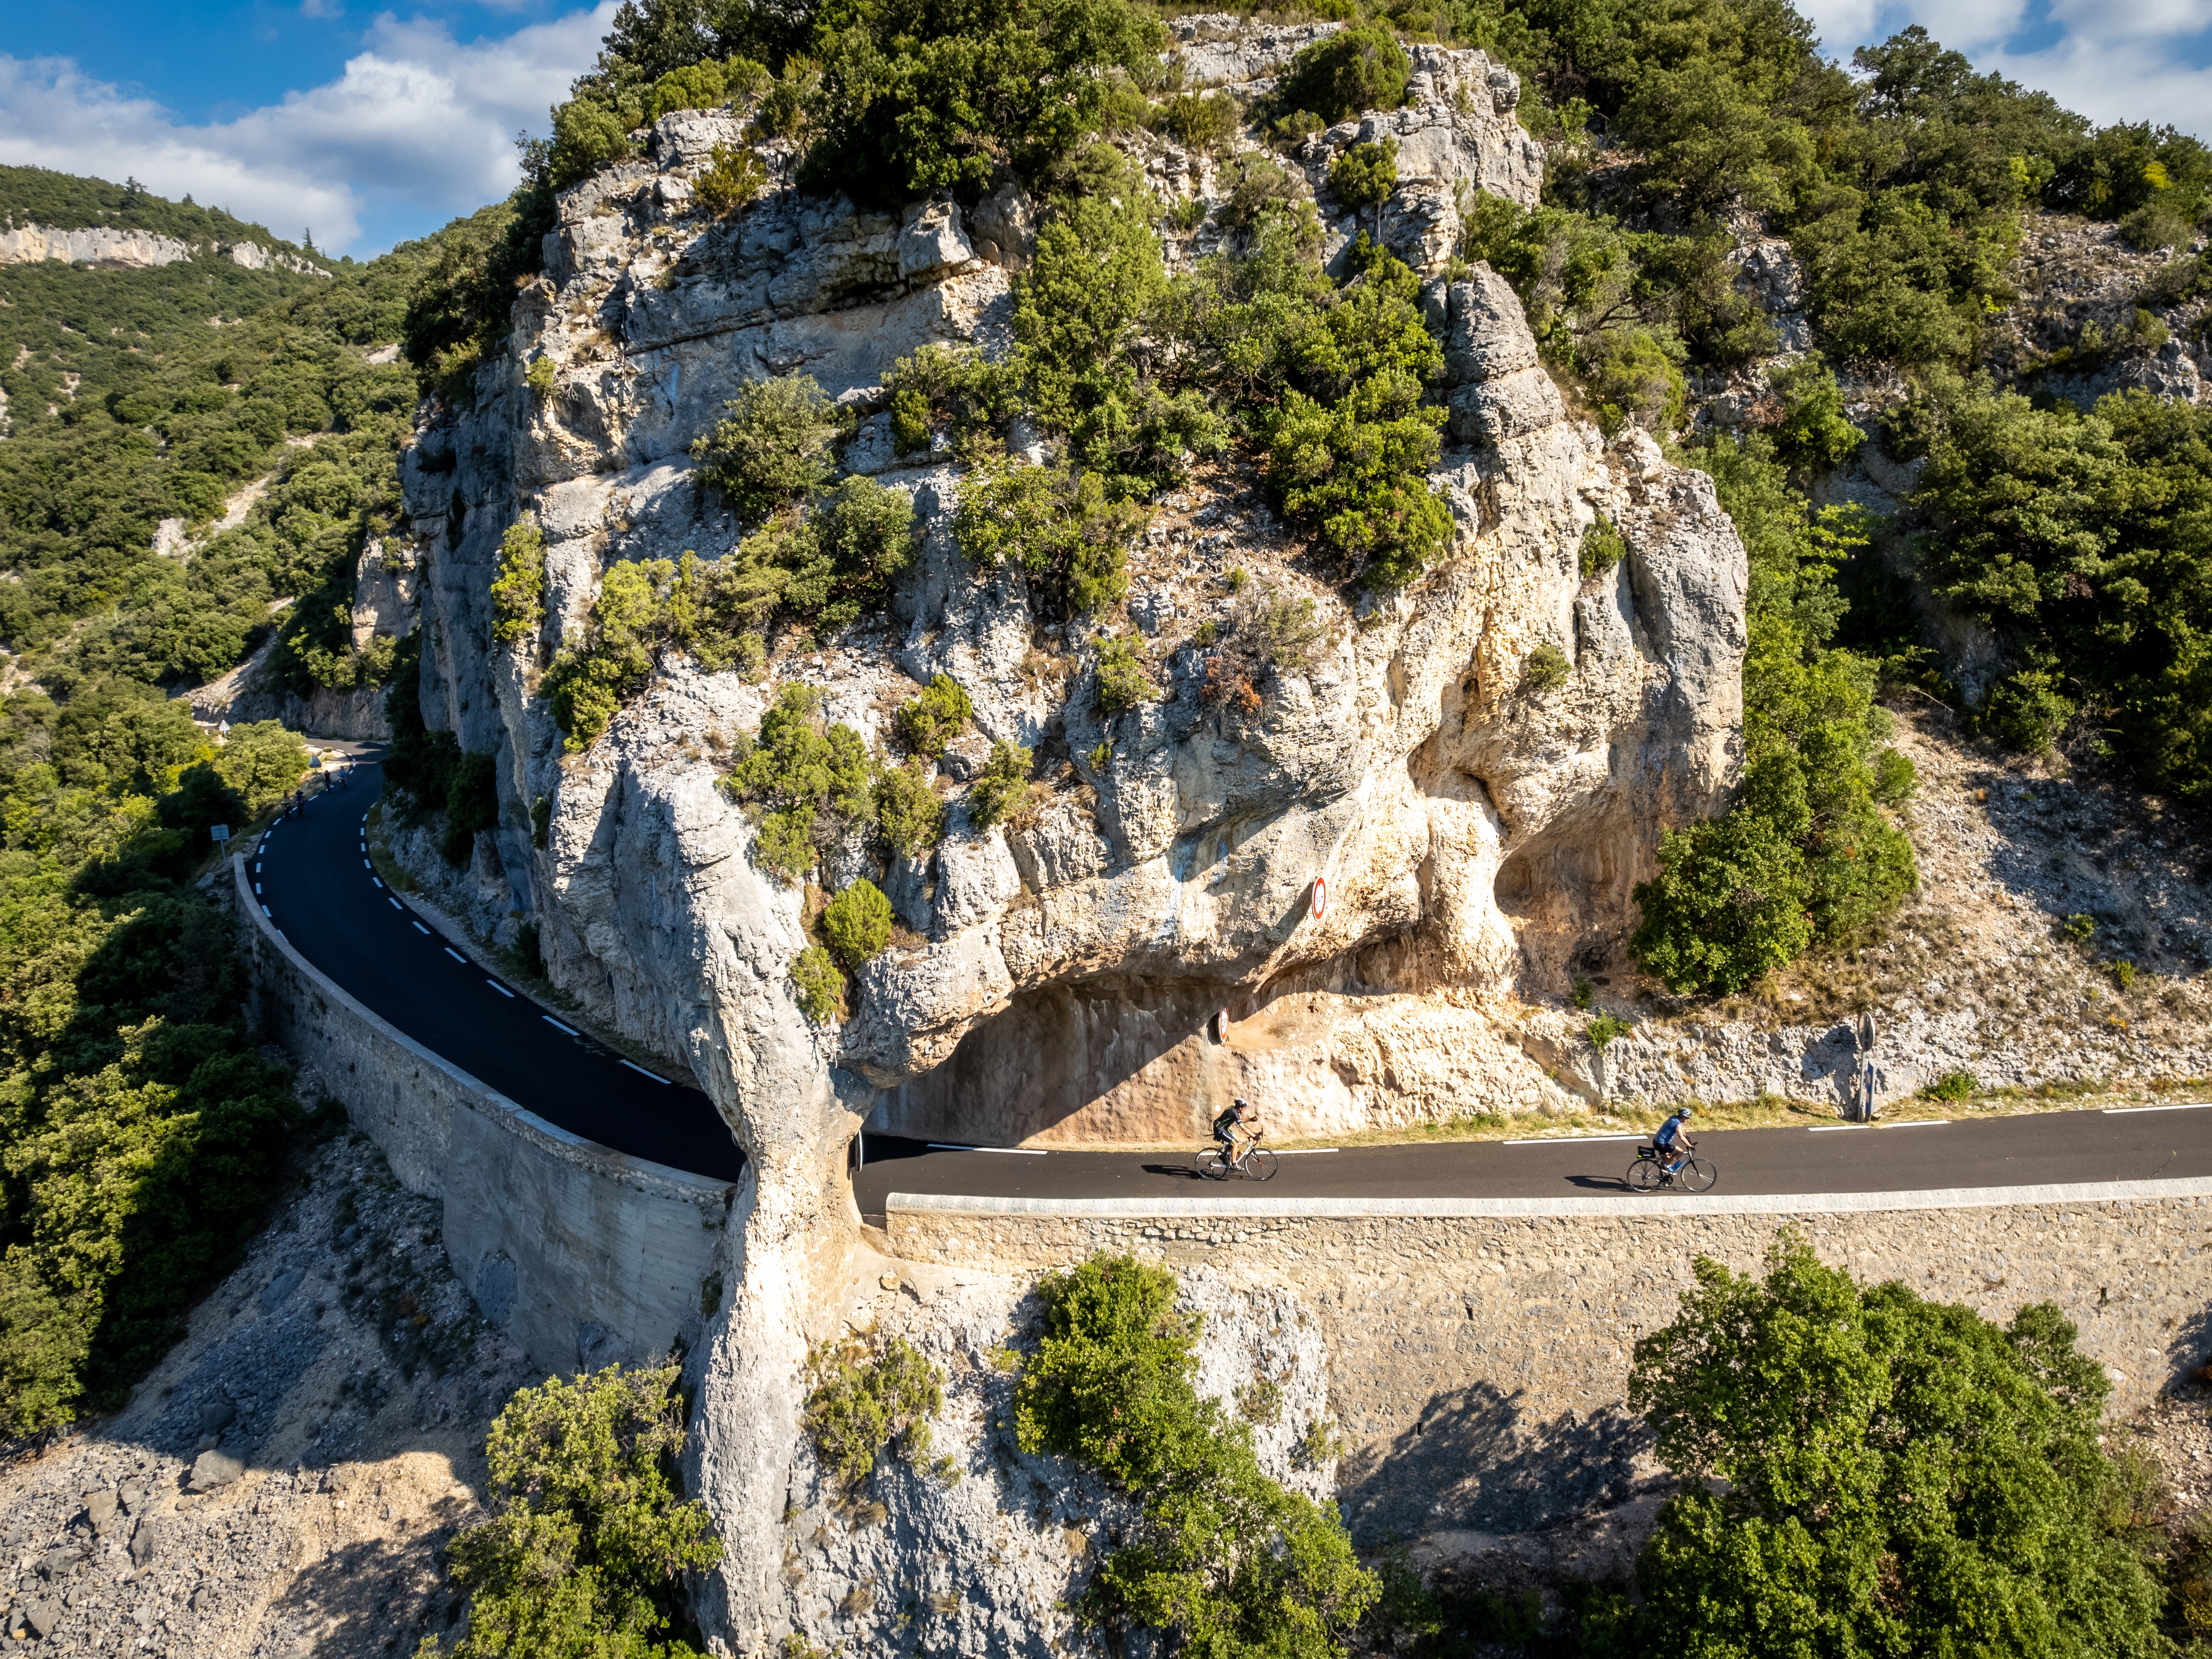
1002	783
1604	1028
263	761
1275	632
1585	993
1358	471
1952	1086
1766	1391
1812	433
586	136
1634	380
1122	682
1222	1557
1366	175
1338	77
2124	973
707	84
517	592
590	1536
2027	711
804	778
1895	777
852	544
774	447
1545	669
857	924
1060	527
867	1402
1186	214
2079	929
1209	121
1603	547
542	376
952	386
932	718
731	178
1727	904
820	988
908	814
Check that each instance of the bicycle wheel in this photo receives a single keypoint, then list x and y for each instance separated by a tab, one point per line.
1643	1174
1259	1164
1698	1174
1211	1165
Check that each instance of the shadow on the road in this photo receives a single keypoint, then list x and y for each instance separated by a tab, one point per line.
1475	1460
1599	1183
1179	1171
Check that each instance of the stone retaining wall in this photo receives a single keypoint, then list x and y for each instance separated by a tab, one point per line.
1479	1349
582	1254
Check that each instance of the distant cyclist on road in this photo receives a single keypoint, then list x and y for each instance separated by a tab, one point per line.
1237	1130
1674	1141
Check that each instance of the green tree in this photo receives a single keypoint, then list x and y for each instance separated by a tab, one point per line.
803	777
931	718
1339	75
857	924
1229	1560
775	446
1867	1471
517	592
590	1537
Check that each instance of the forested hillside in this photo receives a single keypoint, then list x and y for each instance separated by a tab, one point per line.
137	1121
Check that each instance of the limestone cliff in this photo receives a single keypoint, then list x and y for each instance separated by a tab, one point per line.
1141	940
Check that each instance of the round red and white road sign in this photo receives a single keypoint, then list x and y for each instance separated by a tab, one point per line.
1320	898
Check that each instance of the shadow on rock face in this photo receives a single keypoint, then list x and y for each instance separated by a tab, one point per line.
1475	1461
351	1600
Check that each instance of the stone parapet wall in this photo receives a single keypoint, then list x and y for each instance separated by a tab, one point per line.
582	1254
1479	1349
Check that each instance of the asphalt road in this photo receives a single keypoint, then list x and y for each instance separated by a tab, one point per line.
2049	1148
314	876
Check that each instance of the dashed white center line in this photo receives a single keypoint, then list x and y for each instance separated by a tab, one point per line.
393	902
256	867
378	880
558	1026
456	956
641	1071
419	928
257	887
497	987
365	865
1019	1151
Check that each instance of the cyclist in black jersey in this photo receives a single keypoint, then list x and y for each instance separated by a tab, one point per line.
1237	1130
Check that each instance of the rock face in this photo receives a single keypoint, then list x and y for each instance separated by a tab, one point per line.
135	250
1477	767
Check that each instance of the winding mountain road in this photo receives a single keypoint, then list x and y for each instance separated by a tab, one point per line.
313	874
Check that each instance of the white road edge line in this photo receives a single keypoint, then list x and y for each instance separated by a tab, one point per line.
1566	1140
1303	1151
2185	1106
641	1071
1910	1123
558	1026
456	956
420	929
497	987
1019	1151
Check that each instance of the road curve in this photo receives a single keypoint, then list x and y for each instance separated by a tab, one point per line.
313	875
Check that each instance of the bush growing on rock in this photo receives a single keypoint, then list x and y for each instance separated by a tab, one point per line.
932	718
1001	785
1863	1468
517	592
1812	433
731	178
1366	175
820	988
909	816
1545	669
947	387
590	1536
1603	547
857	924
2027	711
804	776
866	1403
705	84
1359	68
1224	1557
775	446
1122	683
586	136
1058	526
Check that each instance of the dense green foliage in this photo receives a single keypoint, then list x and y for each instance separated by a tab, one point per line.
1224	1559
591	1534
867	1402
1807	853
857	924
518	593
1867	1471
1001	786
775	446
136	1122
426	771
1359	68
2087	539
136	396
932	717
806	779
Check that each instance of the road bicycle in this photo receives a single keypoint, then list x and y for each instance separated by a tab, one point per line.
1650	1173
1257	1163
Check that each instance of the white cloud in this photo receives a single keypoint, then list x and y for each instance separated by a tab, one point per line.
417	121
2112	63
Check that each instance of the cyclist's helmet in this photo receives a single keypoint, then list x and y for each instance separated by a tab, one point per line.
1242	1104
1684	1112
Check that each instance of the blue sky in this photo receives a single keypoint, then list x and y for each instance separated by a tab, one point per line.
370	126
